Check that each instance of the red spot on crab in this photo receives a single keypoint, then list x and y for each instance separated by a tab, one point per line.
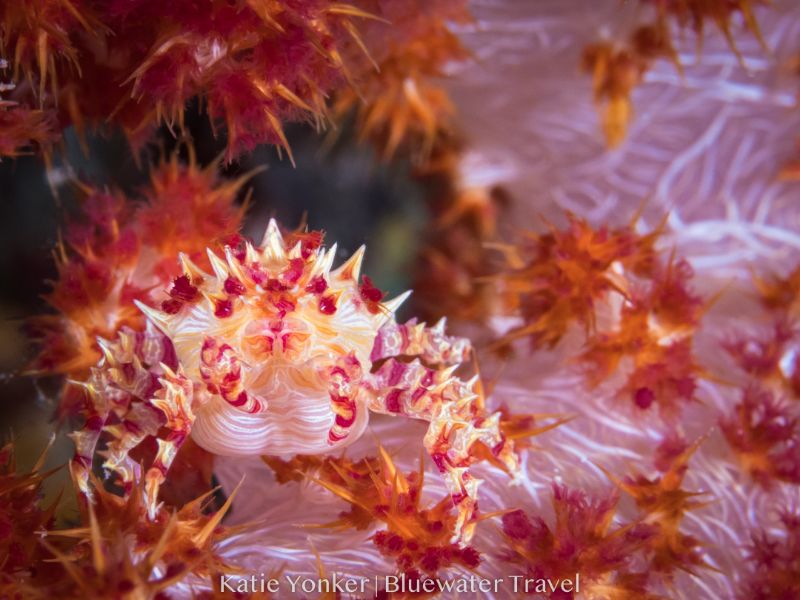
393	401
370	294
94	423
237	243
223	309
294	272
171	307
440	460
345	421
317	285
84	461
458	498
274	285
240	400
327	305
396	374
284	305
183	290
234	287
256	275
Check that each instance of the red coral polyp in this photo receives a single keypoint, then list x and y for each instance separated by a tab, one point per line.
774	569
581	540
764	434
655	333
770	359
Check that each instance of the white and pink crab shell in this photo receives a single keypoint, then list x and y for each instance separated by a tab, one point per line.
276	353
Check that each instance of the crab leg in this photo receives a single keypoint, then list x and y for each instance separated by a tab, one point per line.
174	400
135	382
125	371
86	439
457	422
141	421
221	371
430	344
343	377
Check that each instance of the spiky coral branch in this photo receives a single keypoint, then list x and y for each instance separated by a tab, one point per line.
664	504
419	539
581	540
254	66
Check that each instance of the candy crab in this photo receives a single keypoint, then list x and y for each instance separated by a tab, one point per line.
275	353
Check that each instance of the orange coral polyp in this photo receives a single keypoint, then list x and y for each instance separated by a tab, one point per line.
617	69
562	279
663	504
121	252
556	279
655	330
23	130
22	518
780	294
773	359
418	539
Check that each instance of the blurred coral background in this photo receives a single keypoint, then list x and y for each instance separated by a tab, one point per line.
707	155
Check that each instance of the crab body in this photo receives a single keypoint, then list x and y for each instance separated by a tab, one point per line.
277	353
